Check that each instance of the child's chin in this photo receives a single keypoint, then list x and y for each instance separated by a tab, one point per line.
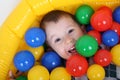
71	54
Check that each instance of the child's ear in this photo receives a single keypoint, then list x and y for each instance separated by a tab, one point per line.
47	47
83	27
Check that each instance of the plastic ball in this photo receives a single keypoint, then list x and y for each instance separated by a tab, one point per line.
116	27
37	52
77	65
96	72
89	28
35	37
38	73
96	35
115	51
51	60
110	38
116	14
83	14
101	21
103	57
60	73
21	78
86	45
24	60
106	9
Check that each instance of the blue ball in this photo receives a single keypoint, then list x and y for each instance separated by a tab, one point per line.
110	38
35	37
51	60
89	28
116	14
24	60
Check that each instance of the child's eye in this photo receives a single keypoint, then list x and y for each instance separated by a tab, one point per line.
57	40
71	30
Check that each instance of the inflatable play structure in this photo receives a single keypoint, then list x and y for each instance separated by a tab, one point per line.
26	13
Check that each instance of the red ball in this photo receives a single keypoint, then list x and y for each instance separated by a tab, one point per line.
96	35
107	9
77	65
116	27
103	57
101	21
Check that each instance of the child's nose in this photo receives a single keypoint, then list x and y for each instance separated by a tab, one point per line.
69	40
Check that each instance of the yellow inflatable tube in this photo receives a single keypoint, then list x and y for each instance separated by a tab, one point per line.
15	26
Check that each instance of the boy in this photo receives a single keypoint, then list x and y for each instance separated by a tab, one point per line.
62	31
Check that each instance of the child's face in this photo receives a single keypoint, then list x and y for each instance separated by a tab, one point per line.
62	36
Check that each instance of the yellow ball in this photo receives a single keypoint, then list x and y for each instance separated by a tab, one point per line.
38	73
37	52
96	72
60	73
115	51
23	45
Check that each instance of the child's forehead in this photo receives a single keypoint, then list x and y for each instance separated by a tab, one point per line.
62	22
60	25
65	18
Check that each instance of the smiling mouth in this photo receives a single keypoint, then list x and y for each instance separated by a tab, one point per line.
72	51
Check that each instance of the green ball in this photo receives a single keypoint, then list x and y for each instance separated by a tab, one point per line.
21	78
86	45
83	14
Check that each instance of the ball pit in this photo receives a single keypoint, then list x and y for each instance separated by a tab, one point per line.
13	29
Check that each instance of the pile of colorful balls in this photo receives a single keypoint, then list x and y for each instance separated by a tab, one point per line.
103	29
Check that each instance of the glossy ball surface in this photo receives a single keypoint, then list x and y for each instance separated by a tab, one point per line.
116	14
110	38
83	14
101	21
102	57
77	65
35	37
51	60
96	72
86	45
24	60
